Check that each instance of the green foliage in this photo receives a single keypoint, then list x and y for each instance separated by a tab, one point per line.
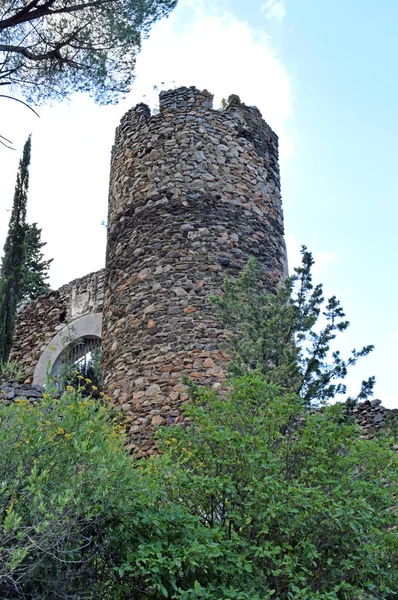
258	497
280	336
299	504
255	499
53	48
91	369
53	459
223	104
23	271
78	519
87	369
390	428
11	371
14	248
34	269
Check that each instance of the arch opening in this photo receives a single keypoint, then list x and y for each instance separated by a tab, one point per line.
74	343
80	356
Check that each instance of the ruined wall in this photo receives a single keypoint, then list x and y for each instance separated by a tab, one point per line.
194	192
39	321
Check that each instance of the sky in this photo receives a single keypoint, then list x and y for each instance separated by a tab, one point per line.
323	75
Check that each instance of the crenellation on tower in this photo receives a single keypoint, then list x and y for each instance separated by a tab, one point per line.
184	98
194	192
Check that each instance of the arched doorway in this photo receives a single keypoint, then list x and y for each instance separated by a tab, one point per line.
73	342
76	356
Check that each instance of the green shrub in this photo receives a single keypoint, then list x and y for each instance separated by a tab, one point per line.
78	518
300	505
11	371
255	499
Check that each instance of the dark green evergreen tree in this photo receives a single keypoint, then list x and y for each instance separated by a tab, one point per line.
280	336
14	252
35	268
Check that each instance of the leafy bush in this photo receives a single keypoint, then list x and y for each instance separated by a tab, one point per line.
11	371
255	499
300	505
78	518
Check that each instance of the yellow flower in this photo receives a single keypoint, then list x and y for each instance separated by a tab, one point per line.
87	380
94	387
70	388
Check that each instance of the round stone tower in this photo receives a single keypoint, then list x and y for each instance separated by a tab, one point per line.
194	192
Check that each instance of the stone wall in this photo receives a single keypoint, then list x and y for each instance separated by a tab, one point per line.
194	192
11	391
38	322
370	415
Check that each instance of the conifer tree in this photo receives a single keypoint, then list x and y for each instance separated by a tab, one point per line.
34	269
281	336
14	251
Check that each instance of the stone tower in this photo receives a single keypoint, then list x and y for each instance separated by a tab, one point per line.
194	192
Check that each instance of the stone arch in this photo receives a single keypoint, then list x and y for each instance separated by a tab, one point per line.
86	326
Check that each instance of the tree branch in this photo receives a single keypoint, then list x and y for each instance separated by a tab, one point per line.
39	12
55	53
21	101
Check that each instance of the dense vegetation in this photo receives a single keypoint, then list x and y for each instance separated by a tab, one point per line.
256	499
259	497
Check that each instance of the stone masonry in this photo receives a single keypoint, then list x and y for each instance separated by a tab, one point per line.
371	416
38	322
194	192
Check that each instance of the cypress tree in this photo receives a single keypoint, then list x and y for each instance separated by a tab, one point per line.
34	268
14	252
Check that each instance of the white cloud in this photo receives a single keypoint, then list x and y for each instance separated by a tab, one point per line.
274	10
223	55
72	141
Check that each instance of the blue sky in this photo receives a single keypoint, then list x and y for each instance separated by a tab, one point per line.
323	75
